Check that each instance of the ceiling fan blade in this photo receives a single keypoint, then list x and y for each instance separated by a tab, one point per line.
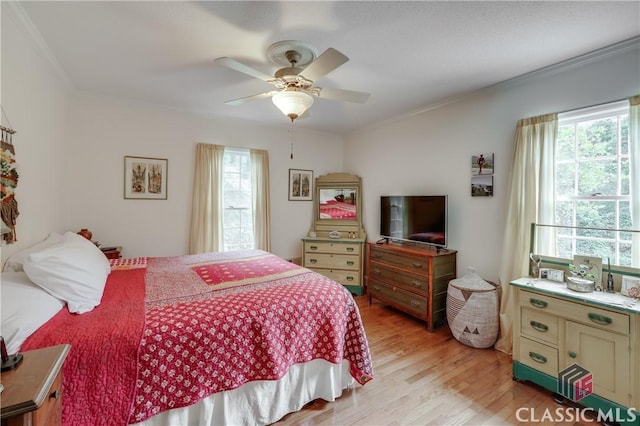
343	95
328	61
245	69
251	98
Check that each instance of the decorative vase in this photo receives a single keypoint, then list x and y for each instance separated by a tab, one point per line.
85	233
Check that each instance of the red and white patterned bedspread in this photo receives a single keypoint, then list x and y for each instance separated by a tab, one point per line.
211	323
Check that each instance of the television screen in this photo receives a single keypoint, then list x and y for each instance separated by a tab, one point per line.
416	218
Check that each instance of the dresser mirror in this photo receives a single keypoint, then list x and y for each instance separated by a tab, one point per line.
337	203
337	206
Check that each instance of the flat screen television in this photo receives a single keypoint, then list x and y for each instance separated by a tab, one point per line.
416	218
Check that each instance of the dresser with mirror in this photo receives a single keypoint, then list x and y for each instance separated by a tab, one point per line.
334	246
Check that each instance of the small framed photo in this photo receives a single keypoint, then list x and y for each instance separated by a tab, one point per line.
482	186
145	178
482	164
300	185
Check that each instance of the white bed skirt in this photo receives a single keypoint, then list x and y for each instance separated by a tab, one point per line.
265	401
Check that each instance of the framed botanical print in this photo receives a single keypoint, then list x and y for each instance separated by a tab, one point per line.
145	178
300	185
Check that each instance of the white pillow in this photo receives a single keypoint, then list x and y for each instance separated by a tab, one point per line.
15	262
25	308
73	270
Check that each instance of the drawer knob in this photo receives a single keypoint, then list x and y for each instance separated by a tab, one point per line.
573	354
350	262
537	357
349	278
600	319
55	394
376	271
313	260
415	303
416	283
349	248
313	247
376	255
417	264
538	303
539	326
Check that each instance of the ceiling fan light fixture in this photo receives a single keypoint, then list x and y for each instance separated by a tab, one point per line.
292	103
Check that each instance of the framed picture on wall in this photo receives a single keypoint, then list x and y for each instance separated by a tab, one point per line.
482	186
482	164
300	185
145	178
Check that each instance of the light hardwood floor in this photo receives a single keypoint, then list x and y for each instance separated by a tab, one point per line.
423	378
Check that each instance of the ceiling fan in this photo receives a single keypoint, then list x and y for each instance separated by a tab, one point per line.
294	83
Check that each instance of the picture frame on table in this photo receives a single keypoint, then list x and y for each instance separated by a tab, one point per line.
300	185
145	178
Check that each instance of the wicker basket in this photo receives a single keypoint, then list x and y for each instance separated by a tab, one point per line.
472	311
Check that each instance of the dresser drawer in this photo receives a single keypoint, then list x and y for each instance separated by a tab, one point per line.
539	325
50	412
402	299
412	282
415	264
342	276
539	356
331	261
597	317
328	247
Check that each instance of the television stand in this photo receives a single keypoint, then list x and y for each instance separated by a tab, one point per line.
411	277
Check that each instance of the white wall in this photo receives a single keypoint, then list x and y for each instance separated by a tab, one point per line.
105	130
430	153
36	103
71	147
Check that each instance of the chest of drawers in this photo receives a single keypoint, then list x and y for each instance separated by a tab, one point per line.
340	260
555	328
411	278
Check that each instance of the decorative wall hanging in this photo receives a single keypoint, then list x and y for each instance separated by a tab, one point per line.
300	185
482	175
8	183
145	178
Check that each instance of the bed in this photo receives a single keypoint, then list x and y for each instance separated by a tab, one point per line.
334	209
218	338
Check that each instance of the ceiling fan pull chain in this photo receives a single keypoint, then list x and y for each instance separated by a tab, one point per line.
291	137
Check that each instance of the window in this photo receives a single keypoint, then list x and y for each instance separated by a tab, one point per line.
237	222
592	183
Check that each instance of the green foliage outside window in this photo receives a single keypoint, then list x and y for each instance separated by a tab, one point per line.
592	188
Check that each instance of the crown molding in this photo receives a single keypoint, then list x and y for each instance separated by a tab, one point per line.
569	64
20	16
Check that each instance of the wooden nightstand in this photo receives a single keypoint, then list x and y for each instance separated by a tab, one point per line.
112	252
32	392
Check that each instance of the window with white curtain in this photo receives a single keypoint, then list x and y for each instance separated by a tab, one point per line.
237	218
591	173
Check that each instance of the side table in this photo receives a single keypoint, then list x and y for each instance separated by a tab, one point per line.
114	252
32	392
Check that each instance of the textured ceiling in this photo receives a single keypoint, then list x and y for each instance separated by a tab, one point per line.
408	55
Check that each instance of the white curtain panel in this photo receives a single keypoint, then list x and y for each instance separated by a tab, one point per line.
530	195
260	192
206	210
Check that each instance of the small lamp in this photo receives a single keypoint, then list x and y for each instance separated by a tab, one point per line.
293	103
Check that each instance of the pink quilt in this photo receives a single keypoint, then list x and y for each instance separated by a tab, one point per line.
171	331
